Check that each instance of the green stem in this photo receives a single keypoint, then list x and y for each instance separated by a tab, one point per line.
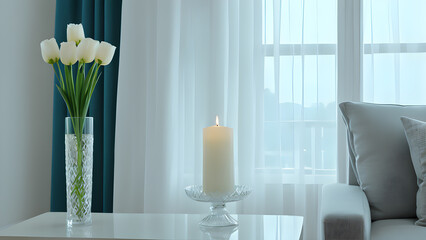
60	74
79	190
77	95
57	77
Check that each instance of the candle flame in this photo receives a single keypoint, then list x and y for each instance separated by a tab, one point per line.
217	120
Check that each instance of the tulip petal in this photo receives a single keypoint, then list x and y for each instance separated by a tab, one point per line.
50	50
105	53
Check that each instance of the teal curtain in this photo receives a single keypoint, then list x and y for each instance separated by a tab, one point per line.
101	20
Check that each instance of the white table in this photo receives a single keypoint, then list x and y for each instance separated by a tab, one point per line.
153	226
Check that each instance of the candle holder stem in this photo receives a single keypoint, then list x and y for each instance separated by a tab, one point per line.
219	216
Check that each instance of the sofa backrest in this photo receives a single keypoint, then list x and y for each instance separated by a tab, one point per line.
379	156
352	174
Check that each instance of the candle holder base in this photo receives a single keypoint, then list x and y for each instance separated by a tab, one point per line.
218	233
219	216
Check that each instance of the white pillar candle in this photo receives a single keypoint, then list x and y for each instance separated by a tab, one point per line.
218	159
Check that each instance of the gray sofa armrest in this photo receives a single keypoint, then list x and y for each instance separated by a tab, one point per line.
345	213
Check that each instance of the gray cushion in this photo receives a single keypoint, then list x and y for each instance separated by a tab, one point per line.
397	229
381	156
416	137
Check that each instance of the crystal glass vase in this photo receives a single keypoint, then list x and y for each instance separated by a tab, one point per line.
79	169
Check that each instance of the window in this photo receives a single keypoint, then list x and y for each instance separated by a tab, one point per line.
394	59
300	132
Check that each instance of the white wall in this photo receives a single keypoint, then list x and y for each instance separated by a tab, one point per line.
25	109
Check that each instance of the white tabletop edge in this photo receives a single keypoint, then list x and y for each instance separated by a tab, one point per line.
51	225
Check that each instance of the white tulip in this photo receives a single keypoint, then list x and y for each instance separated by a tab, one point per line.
75	33
68	53
50	50
105	53
86	50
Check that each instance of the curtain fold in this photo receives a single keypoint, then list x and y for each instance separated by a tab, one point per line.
101	21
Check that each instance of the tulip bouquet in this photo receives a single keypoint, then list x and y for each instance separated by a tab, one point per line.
77	90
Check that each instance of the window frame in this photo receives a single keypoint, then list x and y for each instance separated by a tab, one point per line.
349	74
349	70
303	49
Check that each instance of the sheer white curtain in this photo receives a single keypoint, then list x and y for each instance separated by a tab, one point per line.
394	59
184	62
300	40
300	130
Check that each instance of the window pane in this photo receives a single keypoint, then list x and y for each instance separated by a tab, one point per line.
316	19
413	71
395	78
381	69
270	99
390	73
267	21
300	87
287	145
272	145
394	21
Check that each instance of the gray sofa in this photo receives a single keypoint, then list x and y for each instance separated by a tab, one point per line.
379	201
